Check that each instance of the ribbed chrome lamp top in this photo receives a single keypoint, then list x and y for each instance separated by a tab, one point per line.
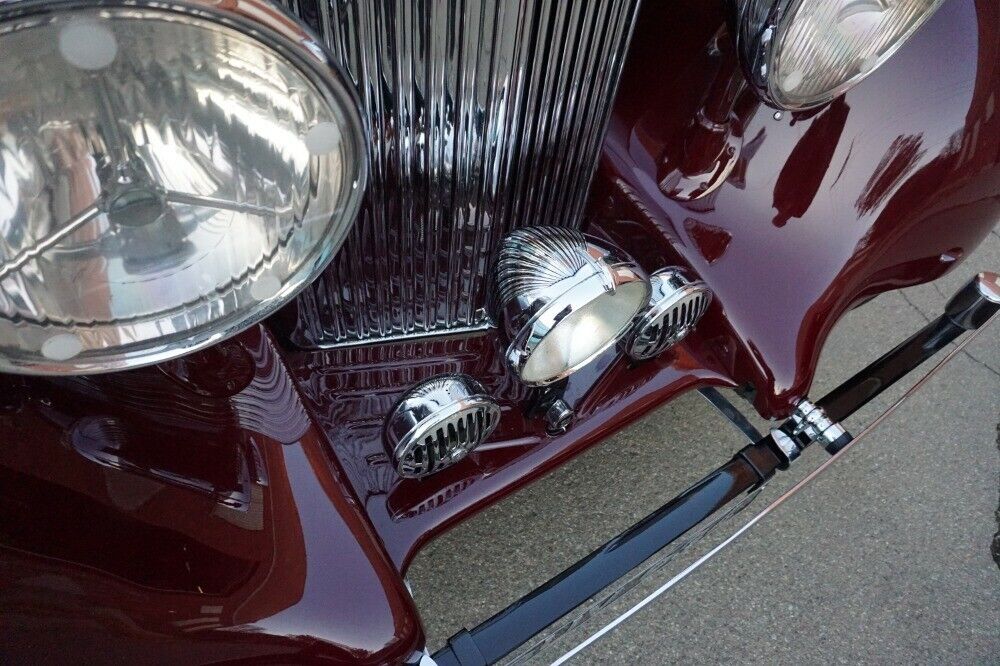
564	298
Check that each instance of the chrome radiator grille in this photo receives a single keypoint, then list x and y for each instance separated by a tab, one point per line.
484	116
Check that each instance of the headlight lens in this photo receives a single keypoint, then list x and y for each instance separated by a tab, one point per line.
167	178
803	53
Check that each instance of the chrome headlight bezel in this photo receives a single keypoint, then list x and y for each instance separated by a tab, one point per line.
760	26
268	26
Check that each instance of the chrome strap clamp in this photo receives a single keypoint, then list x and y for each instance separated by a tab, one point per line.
809	424
812	422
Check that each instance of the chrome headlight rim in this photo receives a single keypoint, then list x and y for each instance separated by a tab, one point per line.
759	28
580	295
268	26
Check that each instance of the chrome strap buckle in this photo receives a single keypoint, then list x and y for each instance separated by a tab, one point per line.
807	425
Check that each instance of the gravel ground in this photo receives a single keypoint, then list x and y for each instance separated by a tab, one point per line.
885	559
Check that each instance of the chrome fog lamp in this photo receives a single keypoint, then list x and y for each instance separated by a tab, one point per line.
564	299
170	173
799	54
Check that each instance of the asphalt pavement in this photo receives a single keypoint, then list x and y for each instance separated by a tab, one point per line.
890	557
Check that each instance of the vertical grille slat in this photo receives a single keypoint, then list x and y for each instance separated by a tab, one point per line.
484	116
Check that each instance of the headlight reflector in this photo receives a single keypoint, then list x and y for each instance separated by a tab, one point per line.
803	53
167	178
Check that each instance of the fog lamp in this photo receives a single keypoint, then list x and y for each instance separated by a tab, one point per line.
803	53
564	299
170	173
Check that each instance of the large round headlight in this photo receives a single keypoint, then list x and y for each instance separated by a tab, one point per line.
803	53
169	174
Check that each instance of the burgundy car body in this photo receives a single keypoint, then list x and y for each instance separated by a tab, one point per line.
126	534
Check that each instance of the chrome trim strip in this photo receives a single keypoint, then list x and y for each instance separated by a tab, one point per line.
406	337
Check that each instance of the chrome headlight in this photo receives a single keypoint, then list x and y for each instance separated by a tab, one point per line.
803	53
564	299
170	173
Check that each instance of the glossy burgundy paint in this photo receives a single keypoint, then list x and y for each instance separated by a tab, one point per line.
239	503
351	390
883	188
819	212
141	521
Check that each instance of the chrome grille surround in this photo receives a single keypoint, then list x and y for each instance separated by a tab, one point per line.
675	308
484	116
437	423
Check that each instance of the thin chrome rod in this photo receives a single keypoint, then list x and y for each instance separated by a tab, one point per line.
70	227
774	505
731	412
224	204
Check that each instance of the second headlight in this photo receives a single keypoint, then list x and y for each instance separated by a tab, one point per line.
170	173
799	54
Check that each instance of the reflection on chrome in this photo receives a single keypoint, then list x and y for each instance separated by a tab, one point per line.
438	423
675	307
165	180
800	54
485	116
564	300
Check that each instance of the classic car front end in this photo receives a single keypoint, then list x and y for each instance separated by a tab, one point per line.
287	290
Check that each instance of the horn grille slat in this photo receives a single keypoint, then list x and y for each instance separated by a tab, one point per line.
675	308
437	423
